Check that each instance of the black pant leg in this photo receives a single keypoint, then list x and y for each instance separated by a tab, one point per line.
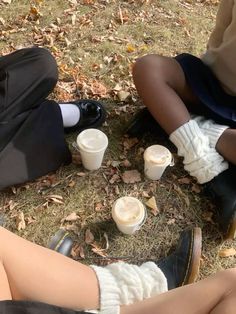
27	77
32	140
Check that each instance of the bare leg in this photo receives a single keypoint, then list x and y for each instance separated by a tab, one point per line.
38	274
5	292
214	295
161	84
226	145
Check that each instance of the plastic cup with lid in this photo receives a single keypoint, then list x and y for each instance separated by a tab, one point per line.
92	144
156	159
129	214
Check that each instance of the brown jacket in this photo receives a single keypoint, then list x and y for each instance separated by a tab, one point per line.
221	48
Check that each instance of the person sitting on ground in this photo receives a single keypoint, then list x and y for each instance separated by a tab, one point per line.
36	280
172	88
32	127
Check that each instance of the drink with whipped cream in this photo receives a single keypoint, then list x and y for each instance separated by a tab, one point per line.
92	144
156	159
129	214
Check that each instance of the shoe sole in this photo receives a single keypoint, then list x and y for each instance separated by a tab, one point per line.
194	257
231	234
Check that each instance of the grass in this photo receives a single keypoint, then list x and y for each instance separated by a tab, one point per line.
90	42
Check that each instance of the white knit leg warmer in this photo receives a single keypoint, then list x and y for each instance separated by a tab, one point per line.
200	160
210	129
123	283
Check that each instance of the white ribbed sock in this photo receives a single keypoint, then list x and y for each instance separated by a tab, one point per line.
123	283
210	129
70	114
200	160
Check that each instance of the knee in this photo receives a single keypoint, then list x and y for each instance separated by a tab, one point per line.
47	63
228	278
44	63
149	65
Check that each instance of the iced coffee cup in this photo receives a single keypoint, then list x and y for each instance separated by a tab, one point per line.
129	214
92	144
156	159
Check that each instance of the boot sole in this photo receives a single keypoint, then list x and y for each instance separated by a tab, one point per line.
231	234
194	257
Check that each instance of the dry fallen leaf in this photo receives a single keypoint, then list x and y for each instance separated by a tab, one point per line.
72	217
196	188
184	180
58	199
123	95
131	176
89	237
151	203
20	221
98	250
130	48
227	252
77	251
114	178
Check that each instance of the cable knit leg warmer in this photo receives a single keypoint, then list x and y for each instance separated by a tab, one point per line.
209	128
122	283
200	160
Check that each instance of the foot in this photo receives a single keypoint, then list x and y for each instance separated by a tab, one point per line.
181	267
223	190
61	242
92	115
143	122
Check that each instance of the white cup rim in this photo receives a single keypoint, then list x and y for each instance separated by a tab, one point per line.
168	162
127	223
80	147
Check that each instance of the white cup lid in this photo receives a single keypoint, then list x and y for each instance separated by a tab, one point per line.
128	210
92	140
158	155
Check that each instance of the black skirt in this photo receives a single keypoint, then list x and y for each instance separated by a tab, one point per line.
28	307
32	140
215	103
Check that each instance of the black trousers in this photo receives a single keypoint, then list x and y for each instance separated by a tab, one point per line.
27	307
32	140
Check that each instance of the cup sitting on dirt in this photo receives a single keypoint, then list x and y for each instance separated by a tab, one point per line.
156	159
92	144
129	214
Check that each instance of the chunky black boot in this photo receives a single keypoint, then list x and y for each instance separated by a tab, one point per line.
143	122
61	242
181	267
222	189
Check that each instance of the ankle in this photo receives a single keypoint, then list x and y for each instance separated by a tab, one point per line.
70	114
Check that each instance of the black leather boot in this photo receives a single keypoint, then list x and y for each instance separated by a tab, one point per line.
143	122
222	189
61	242
181	267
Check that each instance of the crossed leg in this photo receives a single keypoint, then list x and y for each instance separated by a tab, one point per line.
31	272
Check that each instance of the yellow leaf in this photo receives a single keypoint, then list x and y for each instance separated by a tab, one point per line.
227	252
151	203
130	48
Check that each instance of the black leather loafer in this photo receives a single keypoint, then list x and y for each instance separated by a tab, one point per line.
222	189
182	266
143	122
92	115
61	242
